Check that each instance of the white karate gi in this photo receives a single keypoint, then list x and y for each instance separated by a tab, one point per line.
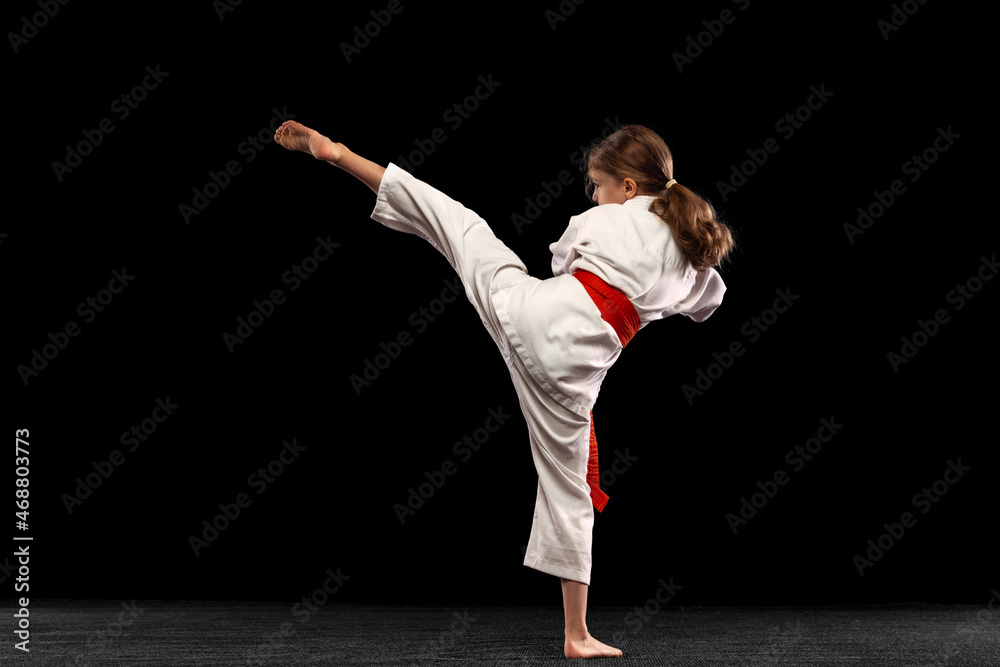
551	334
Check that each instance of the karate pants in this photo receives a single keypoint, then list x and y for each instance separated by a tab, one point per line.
559	431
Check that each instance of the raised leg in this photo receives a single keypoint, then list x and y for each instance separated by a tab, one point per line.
297	137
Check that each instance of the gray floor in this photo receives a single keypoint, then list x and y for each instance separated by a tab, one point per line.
230	633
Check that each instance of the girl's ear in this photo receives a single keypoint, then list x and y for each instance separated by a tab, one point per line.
630	186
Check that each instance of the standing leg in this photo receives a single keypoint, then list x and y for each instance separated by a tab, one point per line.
579	643
562	529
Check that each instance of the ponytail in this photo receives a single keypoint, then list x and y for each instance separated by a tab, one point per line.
638	153
697	230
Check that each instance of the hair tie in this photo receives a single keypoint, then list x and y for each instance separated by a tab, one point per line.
670	182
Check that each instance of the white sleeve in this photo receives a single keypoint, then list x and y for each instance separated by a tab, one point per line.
706	295
563	251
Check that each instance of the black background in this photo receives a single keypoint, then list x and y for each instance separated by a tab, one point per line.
333	507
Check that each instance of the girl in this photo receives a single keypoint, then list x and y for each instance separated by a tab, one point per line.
646	252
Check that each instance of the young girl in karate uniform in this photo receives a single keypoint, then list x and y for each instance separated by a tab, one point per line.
645	252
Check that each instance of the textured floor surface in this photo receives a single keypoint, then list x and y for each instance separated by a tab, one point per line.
129	632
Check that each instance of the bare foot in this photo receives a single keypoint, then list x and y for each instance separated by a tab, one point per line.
588	647
297	137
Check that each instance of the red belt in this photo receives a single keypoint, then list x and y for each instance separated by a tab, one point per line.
619	312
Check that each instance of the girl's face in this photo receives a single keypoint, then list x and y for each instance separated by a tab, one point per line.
607	190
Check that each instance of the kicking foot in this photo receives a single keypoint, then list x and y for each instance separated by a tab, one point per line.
297	137
588	647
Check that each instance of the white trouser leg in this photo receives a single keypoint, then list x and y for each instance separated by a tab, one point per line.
479	258
561	532
562	528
